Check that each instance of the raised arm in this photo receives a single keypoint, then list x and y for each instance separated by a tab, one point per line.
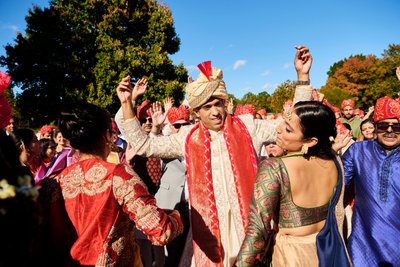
263	209
302	63
128	96
164	147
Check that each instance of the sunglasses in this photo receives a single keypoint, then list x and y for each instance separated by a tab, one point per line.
383	126
179	125
144	120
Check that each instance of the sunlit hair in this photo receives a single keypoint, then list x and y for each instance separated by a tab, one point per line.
318	121
84	126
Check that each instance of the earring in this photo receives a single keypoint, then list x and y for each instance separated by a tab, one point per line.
304	149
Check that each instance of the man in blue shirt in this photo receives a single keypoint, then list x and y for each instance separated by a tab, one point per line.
374	168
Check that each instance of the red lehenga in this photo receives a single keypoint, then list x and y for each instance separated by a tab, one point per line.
104	202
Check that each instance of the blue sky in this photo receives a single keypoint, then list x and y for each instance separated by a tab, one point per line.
252	41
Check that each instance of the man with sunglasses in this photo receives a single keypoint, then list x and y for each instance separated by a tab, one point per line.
374	168
221	156
173	191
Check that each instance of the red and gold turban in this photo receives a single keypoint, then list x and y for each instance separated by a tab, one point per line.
209	84
143	111
348	102
386	108
5	108
245	109
177	114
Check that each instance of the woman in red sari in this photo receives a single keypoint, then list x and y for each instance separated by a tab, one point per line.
104	201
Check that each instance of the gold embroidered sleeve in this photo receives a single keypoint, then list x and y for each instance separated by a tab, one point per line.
302	93
263	209
131	193
172	146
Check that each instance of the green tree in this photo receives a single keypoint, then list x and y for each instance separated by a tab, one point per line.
79	50
283	93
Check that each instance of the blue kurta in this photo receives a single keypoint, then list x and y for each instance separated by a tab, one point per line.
375	236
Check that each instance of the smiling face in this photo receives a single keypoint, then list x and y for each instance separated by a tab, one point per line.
212	114
388	133
368	131
147	124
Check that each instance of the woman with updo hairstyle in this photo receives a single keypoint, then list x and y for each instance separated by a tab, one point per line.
104	201
296	213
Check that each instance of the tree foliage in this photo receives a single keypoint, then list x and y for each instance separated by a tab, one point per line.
283	93
79	50
363	78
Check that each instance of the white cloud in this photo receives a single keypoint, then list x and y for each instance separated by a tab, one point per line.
266	72
191	68
268	86
13	28
286	66
246	89
239	63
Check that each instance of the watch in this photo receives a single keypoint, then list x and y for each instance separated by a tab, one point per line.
299	82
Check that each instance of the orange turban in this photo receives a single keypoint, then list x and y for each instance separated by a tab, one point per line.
176	114
347	102
143	110
386	108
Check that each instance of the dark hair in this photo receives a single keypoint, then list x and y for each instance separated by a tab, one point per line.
84	126
44	145
10	166
317	120
23	136
369	120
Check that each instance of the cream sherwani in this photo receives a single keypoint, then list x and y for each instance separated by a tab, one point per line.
173	146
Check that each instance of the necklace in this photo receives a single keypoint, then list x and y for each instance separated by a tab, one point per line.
294	155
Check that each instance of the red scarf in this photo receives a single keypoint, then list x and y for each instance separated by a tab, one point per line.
204	217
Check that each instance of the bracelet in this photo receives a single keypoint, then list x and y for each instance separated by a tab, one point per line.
299	82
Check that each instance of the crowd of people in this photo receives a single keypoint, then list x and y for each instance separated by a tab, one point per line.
203	183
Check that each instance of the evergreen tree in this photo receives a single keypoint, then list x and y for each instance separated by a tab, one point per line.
79	50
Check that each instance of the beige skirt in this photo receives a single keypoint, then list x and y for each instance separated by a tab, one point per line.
295	250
